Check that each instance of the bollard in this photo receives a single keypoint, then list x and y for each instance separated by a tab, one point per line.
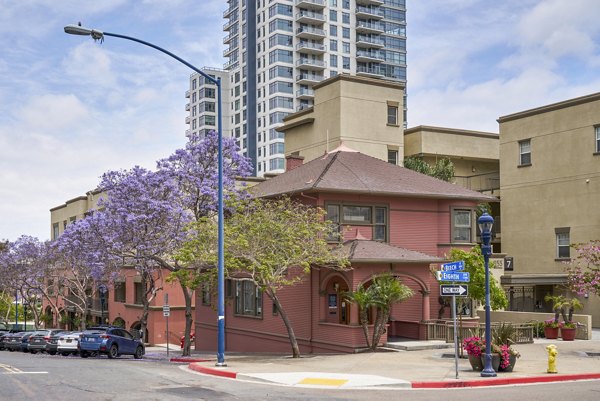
552	353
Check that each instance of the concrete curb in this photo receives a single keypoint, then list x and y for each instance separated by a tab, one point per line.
501	381
188	360
505	381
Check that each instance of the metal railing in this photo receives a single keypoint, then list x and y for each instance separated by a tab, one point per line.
444	330
479	182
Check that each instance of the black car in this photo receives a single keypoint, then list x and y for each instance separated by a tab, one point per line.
39	340
25	341
12	342
3	333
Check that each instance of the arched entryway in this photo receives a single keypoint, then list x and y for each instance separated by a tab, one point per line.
119	322
136	329
336	307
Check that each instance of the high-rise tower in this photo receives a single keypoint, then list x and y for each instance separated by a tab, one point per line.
278	49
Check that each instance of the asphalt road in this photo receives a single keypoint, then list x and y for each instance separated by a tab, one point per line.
44	377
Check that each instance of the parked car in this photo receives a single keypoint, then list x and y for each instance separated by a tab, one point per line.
112	341
68	343
192	338
13	342
25	341
52	343
3	334
39	340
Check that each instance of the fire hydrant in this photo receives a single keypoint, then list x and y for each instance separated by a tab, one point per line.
552	353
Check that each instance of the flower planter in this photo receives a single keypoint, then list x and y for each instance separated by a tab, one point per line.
568	334
511	364
551	333
495	361
476	363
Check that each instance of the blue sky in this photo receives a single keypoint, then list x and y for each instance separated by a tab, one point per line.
71	109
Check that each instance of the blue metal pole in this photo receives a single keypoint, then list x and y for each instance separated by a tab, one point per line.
16	309
486	221
220	264
221	246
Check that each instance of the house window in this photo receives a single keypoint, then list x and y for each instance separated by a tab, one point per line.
563	240
392	114
120	291
139	293
248	298
462	225
55	231
525	152
393	156
597	130
375	216
205	294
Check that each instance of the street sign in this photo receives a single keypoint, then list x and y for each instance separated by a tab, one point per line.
453	266
166	310
463	277
166	313
459	290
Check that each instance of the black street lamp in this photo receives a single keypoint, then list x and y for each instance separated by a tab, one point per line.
485	226
102	290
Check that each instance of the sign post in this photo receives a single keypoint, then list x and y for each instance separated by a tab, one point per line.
453	272
166	313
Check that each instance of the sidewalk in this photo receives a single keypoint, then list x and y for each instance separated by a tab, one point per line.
419	368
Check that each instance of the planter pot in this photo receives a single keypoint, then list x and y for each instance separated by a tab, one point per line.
551	333
511	364
495	361
568	334
476	363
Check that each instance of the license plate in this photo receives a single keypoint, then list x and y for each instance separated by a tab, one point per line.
69	340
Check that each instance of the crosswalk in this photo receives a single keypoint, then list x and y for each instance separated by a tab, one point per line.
11	370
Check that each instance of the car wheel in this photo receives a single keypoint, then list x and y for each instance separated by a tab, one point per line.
84	354
113	352
11	350
33	352
51	352
139	352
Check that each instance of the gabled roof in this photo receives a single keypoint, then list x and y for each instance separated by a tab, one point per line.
354	172
380	252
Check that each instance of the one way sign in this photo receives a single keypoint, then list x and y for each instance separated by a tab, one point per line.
460	290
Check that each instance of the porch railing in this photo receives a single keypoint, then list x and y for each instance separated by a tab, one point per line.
444	330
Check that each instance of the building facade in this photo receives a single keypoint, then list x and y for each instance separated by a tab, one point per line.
391	219
550	184
278	50
123	306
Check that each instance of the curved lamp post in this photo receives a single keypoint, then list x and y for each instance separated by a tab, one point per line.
99	35
485	226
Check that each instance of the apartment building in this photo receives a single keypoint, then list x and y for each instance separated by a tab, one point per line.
278	51
550	184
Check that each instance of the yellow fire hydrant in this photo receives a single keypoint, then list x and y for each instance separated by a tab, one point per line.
552	353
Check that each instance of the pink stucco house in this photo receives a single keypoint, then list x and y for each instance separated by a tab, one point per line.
392	219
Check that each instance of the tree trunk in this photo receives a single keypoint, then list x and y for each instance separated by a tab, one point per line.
364	322
379	329
288	326
187	295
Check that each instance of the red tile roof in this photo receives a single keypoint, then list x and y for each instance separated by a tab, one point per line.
380	252
354	172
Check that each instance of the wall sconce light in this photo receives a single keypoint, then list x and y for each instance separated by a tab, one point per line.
336	287
473	169
586	295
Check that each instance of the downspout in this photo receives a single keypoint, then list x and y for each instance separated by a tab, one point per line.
310	338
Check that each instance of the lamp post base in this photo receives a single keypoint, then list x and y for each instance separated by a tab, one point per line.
488	370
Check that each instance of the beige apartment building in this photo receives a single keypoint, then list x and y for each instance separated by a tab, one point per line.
550	183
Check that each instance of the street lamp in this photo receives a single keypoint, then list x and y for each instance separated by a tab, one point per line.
102	289
99	35
485	226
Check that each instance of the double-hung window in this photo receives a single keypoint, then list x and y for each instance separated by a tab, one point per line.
248	298
597	131
563	247
392	114
462	225
525	152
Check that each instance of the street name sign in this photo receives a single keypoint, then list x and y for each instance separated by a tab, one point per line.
453	266
463	277
459	290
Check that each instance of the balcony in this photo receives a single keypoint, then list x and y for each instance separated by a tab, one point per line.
187	120
369	27
187	107
310	32
187	94
304	106
311	4
310	64
229	37
370	56
310	17
231	64
309	79
370	2
369	12
229	24
229	50
305	93
311	48
480	182
188	132
374	72
231	9
366	41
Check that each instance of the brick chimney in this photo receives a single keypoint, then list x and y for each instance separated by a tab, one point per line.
292	161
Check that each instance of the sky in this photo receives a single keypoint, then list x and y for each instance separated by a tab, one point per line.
72	109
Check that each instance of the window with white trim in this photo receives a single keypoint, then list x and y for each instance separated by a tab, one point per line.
525	152
563	243
462	225
356	215
597	130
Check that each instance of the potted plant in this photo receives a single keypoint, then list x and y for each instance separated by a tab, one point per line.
503	336
508	358
551	327
565	307
475	346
